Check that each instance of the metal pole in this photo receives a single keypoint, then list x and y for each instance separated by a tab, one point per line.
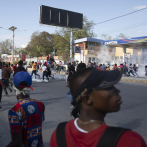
54	59
13	48
13	29
80	56
70	44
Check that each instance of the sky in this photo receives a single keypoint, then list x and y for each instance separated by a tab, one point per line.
24	14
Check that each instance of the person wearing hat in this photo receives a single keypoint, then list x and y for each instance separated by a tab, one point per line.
27	116
94	95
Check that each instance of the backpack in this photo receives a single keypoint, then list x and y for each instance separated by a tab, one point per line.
109	138
7	73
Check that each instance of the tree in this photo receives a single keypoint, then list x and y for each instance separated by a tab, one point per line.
41	44
87	30
121	36
5	47
107	37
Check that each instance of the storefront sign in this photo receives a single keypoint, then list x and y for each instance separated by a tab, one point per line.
111	42
91	51
125	41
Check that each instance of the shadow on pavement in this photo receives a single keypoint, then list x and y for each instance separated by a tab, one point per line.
133	124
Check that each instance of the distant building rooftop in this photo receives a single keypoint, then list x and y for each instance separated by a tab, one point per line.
87	39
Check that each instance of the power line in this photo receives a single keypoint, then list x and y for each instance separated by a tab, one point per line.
121	16
128	27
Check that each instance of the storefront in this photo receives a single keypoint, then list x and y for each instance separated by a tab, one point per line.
131	50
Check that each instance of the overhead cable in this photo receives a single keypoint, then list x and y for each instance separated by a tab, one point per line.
121	16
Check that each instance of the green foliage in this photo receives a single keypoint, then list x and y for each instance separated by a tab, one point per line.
5	47
62	38
14	62
41	44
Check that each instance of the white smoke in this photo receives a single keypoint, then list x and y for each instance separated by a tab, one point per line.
104	56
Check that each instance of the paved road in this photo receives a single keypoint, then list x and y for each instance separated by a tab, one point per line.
132	114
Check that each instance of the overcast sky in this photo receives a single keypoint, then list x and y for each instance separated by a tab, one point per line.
24	14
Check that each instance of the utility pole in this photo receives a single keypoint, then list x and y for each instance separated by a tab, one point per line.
70	45
13	29
54	59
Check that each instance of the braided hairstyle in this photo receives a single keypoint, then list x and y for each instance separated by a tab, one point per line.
75	82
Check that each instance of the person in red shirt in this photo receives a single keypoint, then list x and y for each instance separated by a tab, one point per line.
94	95
115	66
47	58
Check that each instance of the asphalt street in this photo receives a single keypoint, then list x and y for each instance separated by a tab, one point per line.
57	108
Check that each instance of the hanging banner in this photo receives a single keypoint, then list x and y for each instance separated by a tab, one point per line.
124	41
23	57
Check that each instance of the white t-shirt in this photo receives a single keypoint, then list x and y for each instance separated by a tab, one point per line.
0	74
25	66
61	64
44	68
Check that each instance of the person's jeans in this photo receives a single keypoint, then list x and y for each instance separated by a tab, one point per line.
136	73
34	72
6	85
45	74
131	71
68	94
1	89
61	67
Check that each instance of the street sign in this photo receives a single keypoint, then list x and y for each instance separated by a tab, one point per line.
77	49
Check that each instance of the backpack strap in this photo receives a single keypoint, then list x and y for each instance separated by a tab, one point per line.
60	135
111	136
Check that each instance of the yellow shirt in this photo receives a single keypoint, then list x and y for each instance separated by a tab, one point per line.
34	66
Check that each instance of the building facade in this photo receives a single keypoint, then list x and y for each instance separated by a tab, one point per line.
92	50
132	50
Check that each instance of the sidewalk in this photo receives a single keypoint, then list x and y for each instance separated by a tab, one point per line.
142	79
135	79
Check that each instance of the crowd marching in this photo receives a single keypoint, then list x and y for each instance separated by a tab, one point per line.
92	95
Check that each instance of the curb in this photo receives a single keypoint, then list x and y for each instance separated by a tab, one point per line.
144	81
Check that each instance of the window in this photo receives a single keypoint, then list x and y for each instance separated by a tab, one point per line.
92	43
93	59
89	59
116	58
86	44
98	44
92	48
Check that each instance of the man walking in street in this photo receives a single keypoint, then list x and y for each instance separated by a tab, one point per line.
27	116
20	67
131	70
6	72
34	71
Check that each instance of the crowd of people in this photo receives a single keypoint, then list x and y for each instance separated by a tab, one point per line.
129	69
92	94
